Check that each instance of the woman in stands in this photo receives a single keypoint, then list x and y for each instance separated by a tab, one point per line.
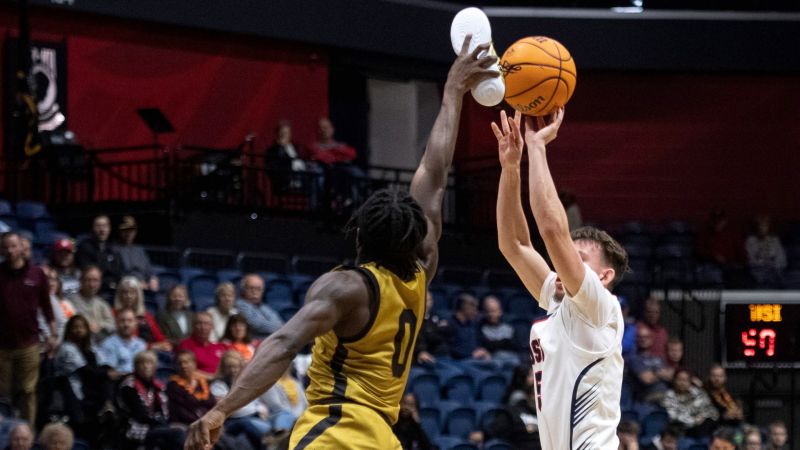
176	321
690	407
144	414
130	295
85	386
188	393
223	309
237	337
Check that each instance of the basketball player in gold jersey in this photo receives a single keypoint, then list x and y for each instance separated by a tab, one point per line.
365	319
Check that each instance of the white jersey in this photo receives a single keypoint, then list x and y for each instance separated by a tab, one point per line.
577	363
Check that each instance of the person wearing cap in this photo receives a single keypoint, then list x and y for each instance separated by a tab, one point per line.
133	258
62	260
97	250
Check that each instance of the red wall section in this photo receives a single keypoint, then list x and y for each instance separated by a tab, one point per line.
214	88
654	147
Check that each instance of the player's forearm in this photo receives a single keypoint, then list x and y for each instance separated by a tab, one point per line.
551	218
438	155
512	227
270	361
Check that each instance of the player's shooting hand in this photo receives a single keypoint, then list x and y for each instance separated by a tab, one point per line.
509	139
545	129
205	432
470	68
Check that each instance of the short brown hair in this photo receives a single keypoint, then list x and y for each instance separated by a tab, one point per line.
613	252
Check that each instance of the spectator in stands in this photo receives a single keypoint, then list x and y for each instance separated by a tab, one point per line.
118	350
90	305
519	399
651	320
729	409
778	436
262	319
434	336
647	371
721	244
143	413
56	436
752	439
497	337
88	387
628	434
237	337
667	439
97	251
24	290
62	260
724	438
25	238
207	353
133	259
766	256
20	437
408	428
130	296
221	312
282	158
176	319
629	335
249	420
188	393
338	158
286	401
464	340
690	406
59	312
57	293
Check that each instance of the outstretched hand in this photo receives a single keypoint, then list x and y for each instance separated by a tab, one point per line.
470	68
546	131
204	433
509	139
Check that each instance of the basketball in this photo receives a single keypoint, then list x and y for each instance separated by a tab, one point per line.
540	75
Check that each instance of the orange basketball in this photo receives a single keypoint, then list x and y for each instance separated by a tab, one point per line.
540	75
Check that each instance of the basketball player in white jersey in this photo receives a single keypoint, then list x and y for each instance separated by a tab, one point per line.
577	349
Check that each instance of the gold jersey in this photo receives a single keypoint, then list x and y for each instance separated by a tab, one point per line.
371	369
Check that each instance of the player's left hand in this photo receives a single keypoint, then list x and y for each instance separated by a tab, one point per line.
470	68
547	128
204	432
509	139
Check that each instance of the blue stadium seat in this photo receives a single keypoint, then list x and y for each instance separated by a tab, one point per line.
441	299
43	225
279	291
300	292
492	388
429	418
460	388
495	419
288	312
29	210
10	220
231	275
167	280
522	304
187	273
5	208
202	285
202	302
654	423
426	387
49	237
522	333
497	444
461	421
449	442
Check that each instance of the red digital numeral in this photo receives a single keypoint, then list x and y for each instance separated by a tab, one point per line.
766	340
748	342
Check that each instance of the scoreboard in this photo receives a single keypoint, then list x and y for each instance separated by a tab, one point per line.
760	333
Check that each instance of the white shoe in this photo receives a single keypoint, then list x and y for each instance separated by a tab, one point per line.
470	21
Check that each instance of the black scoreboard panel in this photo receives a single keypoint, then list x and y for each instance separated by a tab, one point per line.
760	334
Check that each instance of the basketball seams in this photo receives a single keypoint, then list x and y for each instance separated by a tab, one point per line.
545	65
532	87
546	51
